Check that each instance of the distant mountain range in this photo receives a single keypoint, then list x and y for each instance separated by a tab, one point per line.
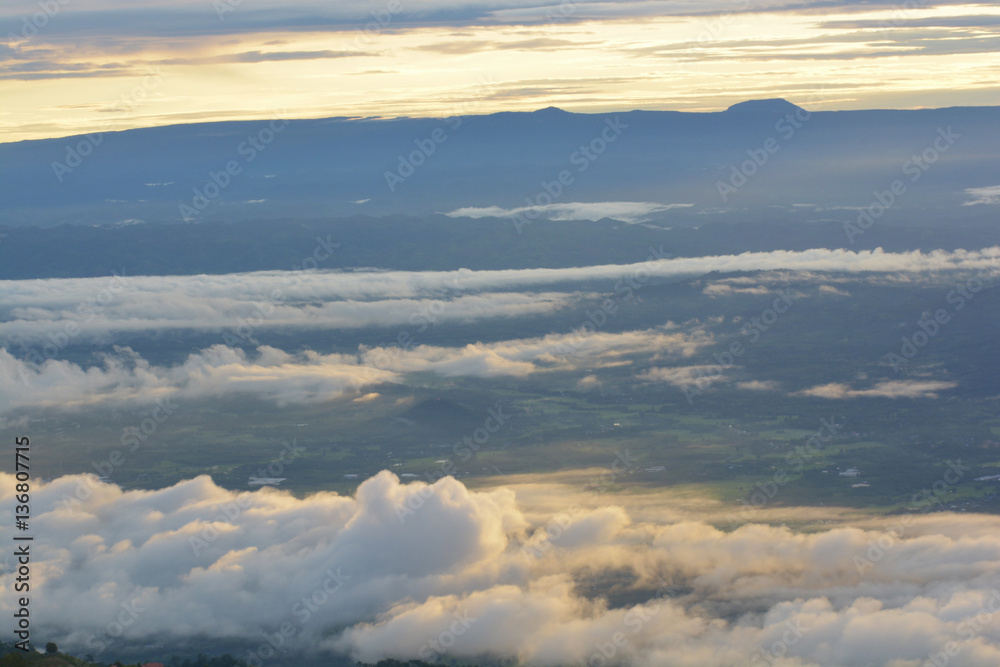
759	160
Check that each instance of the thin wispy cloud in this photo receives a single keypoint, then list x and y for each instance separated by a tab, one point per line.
626	211
34	309
988	195
887	389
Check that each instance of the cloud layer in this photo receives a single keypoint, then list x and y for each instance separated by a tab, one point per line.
441	571
125	377
34	310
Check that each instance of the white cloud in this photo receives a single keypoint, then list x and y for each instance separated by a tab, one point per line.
886	389
33	309
125	377
409	570
726	289
832	290
141	306
758	385
988	195
626	211
684	376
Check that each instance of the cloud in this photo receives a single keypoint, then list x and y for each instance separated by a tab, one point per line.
835	291
100	307
260	57
684	376
886	389
124	377
989	195
726	289
438	571
758	385
626	211
904	18
222	305
455	47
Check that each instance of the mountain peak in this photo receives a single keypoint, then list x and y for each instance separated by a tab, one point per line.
771	106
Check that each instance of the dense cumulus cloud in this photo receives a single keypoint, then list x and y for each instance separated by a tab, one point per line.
439	571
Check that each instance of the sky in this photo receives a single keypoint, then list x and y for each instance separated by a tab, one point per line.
75	66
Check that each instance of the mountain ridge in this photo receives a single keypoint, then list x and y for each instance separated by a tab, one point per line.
291	169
